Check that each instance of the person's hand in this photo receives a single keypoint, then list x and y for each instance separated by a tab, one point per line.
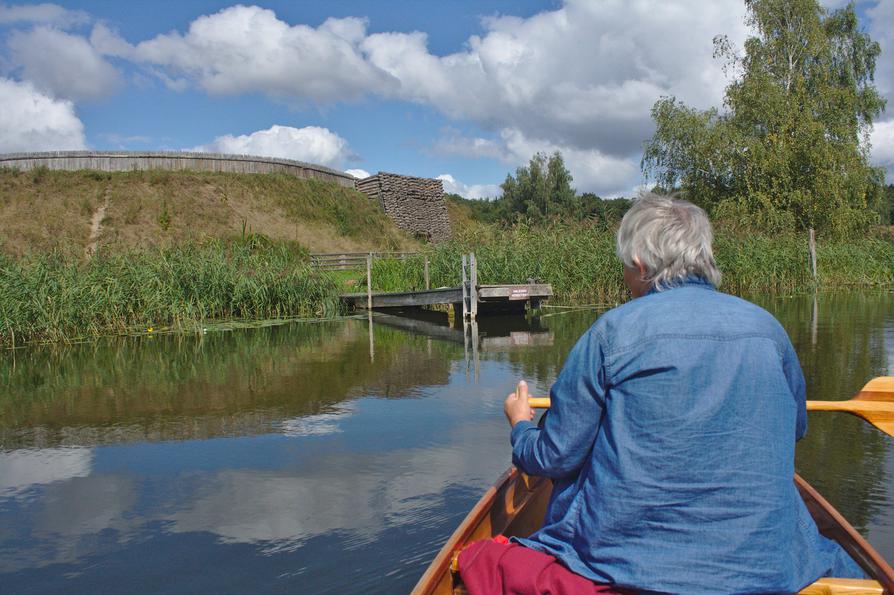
516	405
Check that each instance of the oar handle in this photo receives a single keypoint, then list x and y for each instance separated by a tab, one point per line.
544	403
829	406
874	403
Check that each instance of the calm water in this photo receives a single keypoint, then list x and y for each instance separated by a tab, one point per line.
324	458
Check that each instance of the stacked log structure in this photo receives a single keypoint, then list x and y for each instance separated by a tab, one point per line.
416	205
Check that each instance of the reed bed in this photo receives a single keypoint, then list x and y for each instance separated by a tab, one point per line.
50	298
579	261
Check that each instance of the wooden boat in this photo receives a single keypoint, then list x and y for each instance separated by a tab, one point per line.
514	506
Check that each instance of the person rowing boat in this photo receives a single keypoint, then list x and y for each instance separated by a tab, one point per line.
670	440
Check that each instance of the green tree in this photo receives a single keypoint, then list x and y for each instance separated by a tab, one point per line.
887	206
542	190
789	149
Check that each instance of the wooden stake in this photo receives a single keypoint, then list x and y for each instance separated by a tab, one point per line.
427	283
372	343
465	292
369	281
473	289
811	246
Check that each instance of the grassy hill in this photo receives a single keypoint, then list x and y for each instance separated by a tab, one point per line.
72	213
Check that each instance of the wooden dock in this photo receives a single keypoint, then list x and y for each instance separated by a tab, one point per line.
490	298
469	298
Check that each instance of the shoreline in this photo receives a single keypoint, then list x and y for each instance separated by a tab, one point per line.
48	299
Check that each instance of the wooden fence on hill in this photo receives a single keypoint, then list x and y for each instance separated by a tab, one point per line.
172	161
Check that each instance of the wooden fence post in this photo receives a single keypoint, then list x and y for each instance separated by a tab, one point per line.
473	287
427	283
465	291
369	281
811	246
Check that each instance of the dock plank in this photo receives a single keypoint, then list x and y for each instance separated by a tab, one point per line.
487	294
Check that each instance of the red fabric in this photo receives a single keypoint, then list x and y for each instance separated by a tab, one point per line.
496	566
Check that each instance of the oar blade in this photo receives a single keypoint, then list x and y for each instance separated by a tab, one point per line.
877	389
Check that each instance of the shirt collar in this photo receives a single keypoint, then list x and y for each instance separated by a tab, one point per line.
688	281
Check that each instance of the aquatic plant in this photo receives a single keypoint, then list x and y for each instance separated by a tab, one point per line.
49	297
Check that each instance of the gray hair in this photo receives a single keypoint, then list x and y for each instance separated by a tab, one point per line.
670	237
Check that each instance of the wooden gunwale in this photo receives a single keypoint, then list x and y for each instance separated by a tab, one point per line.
833	525
515	505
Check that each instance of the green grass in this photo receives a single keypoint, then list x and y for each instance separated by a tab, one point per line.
50	298
44	210
580	263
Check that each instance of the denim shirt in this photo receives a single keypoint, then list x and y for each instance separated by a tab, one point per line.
671	440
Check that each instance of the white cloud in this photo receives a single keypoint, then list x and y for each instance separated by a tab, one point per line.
61	64
592	170
32	121
454	186
244	49
583	76
358	173
881	17
311	143
883	147
48	14
581	79
20	470
452	142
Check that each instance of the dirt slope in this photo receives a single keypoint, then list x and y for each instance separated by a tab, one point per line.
81	212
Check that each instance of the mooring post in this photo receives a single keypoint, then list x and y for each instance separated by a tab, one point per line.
427	284
474	328
465	292
473	286
811	246
369	281
814	320
372	343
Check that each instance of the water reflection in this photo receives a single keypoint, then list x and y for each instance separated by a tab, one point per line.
22	469
840	339
223	384
330	457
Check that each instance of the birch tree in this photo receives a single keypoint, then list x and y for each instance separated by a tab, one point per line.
789	148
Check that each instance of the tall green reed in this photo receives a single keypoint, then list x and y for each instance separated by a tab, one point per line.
50	298
579	261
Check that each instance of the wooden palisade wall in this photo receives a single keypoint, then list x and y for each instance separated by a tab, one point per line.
172	160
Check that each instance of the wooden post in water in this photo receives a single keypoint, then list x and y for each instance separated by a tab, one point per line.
473	287
811	246
369	281
372	344
465	292
814	320
473	324
427	283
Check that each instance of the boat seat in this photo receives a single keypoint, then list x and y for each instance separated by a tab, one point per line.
843	586
824	586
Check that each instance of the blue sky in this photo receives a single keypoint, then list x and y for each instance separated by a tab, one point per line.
465	91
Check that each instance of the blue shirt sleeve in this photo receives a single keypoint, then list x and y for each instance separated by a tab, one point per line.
562	446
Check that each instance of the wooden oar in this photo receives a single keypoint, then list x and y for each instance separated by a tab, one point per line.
874	403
